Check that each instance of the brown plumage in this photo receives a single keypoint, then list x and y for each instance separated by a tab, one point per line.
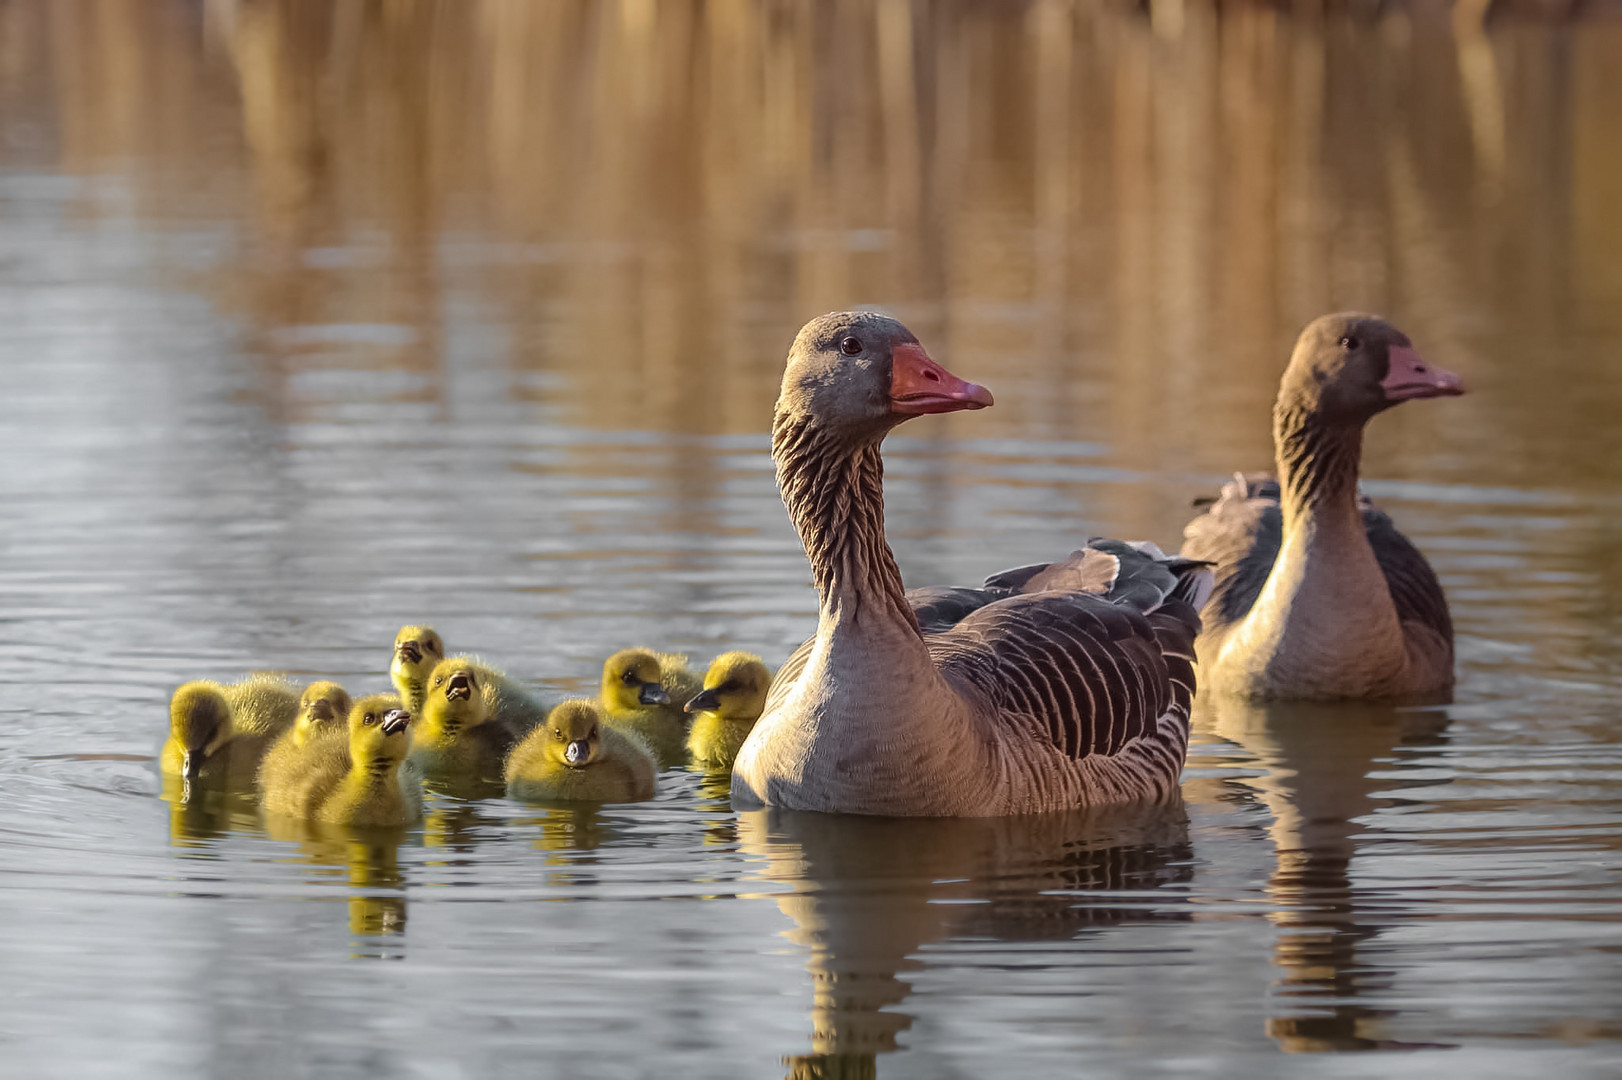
1318	596
972	702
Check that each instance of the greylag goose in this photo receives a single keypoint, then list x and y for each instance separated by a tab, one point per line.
954	702
1318	596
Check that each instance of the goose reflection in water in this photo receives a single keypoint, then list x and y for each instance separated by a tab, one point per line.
1317	785
868	894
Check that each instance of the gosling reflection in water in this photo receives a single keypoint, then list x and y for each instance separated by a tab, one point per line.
868	896
370	859
1318	760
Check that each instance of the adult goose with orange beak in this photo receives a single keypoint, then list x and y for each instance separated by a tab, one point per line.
1318	596
955	702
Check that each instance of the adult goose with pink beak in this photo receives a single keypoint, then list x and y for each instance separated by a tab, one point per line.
1318	596
952	702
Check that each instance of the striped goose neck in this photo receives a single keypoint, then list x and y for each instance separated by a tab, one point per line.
833	486
1317	462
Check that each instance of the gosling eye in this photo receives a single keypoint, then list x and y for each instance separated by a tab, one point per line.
440	681
1349	342
369	718
629	678
432	646
851	347
557	733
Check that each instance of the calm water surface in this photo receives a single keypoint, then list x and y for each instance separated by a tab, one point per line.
315	321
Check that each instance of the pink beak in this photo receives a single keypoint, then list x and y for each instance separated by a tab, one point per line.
918	385
1410	377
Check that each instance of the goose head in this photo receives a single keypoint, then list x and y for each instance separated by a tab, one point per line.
454	697
734	688
322	708
1346	368
379	730
199	723
631	681
416	650
864	373
574	733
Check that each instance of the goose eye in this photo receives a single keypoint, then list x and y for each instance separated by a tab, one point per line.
557	734
630	677
850	346
440	681
370	718
1349	342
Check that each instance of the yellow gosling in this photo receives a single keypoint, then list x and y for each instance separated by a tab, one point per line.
219	733
509	702
316	746
379	786
416	650
643	693
733	698
456	736
576	757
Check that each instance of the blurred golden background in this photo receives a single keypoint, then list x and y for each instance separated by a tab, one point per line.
1119	215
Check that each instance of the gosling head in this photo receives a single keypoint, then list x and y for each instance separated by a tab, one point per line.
734	688
455	694
322	708
1348	367
631	681
379	730
199	723
574	733
863	373
416	650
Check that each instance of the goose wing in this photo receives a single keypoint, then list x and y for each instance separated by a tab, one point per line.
1087	674
1415	592
1239	534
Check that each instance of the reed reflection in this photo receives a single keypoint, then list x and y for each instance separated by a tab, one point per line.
1317	785
1101	203
870	893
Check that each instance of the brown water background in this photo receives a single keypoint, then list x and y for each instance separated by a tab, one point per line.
318	318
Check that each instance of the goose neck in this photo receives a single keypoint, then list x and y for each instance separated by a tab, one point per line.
833	487
1317	462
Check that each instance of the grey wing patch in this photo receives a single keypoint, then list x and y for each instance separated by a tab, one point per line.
1134	573
1088	674
1239	534
788	674
939	607
1415	592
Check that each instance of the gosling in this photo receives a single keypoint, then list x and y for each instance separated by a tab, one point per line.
725	712
219	733
316	745
457	736
378	786
576	757
416	650
643	692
